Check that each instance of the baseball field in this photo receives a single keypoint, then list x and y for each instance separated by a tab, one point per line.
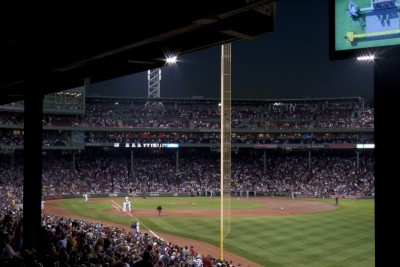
271	232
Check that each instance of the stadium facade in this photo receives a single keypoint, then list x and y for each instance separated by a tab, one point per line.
262	130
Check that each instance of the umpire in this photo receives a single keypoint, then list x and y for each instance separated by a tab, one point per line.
159	208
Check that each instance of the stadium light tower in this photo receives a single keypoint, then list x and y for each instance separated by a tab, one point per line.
153	82
153	89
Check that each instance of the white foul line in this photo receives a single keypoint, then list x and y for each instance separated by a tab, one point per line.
119	208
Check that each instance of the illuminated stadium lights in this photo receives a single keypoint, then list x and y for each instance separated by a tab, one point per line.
171	60
366	58
365	146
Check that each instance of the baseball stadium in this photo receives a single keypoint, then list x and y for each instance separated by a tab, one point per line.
300	190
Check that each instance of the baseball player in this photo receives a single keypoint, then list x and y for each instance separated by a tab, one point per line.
86	196
128	204
124	206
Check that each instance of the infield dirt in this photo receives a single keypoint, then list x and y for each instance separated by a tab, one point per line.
270	207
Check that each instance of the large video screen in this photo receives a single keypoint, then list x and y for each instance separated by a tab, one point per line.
358	26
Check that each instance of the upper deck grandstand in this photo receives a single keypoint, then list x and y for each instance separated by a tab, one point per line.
75	121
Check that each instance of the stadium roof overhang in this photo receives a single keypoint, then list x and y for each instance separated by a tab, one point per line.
61	44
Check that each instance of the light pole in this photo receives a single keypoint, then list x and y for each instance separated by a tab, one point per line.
153	88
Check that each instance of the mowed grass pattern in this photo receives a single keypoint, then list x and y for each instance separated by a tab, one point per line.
342	237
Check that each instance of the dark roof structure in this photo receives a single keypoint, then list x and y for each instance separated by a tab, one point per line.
49	47
64	43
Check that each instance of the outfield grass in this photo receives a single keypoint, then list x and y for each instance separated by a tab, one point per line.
341	237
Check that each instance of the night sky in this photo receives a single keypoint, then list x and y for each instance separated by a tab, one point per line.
290	62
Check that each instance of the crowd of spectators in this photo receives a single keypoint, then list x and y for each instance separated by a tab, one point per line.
72	242
322	174
64	242
206	115
78	243
55	138
197	123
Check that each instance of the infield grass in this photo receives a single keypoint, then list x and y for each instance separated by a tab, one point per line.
341	237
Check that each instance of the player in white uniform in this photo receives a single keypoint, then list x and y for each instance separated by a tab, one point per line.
124	206
86	196
129	205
